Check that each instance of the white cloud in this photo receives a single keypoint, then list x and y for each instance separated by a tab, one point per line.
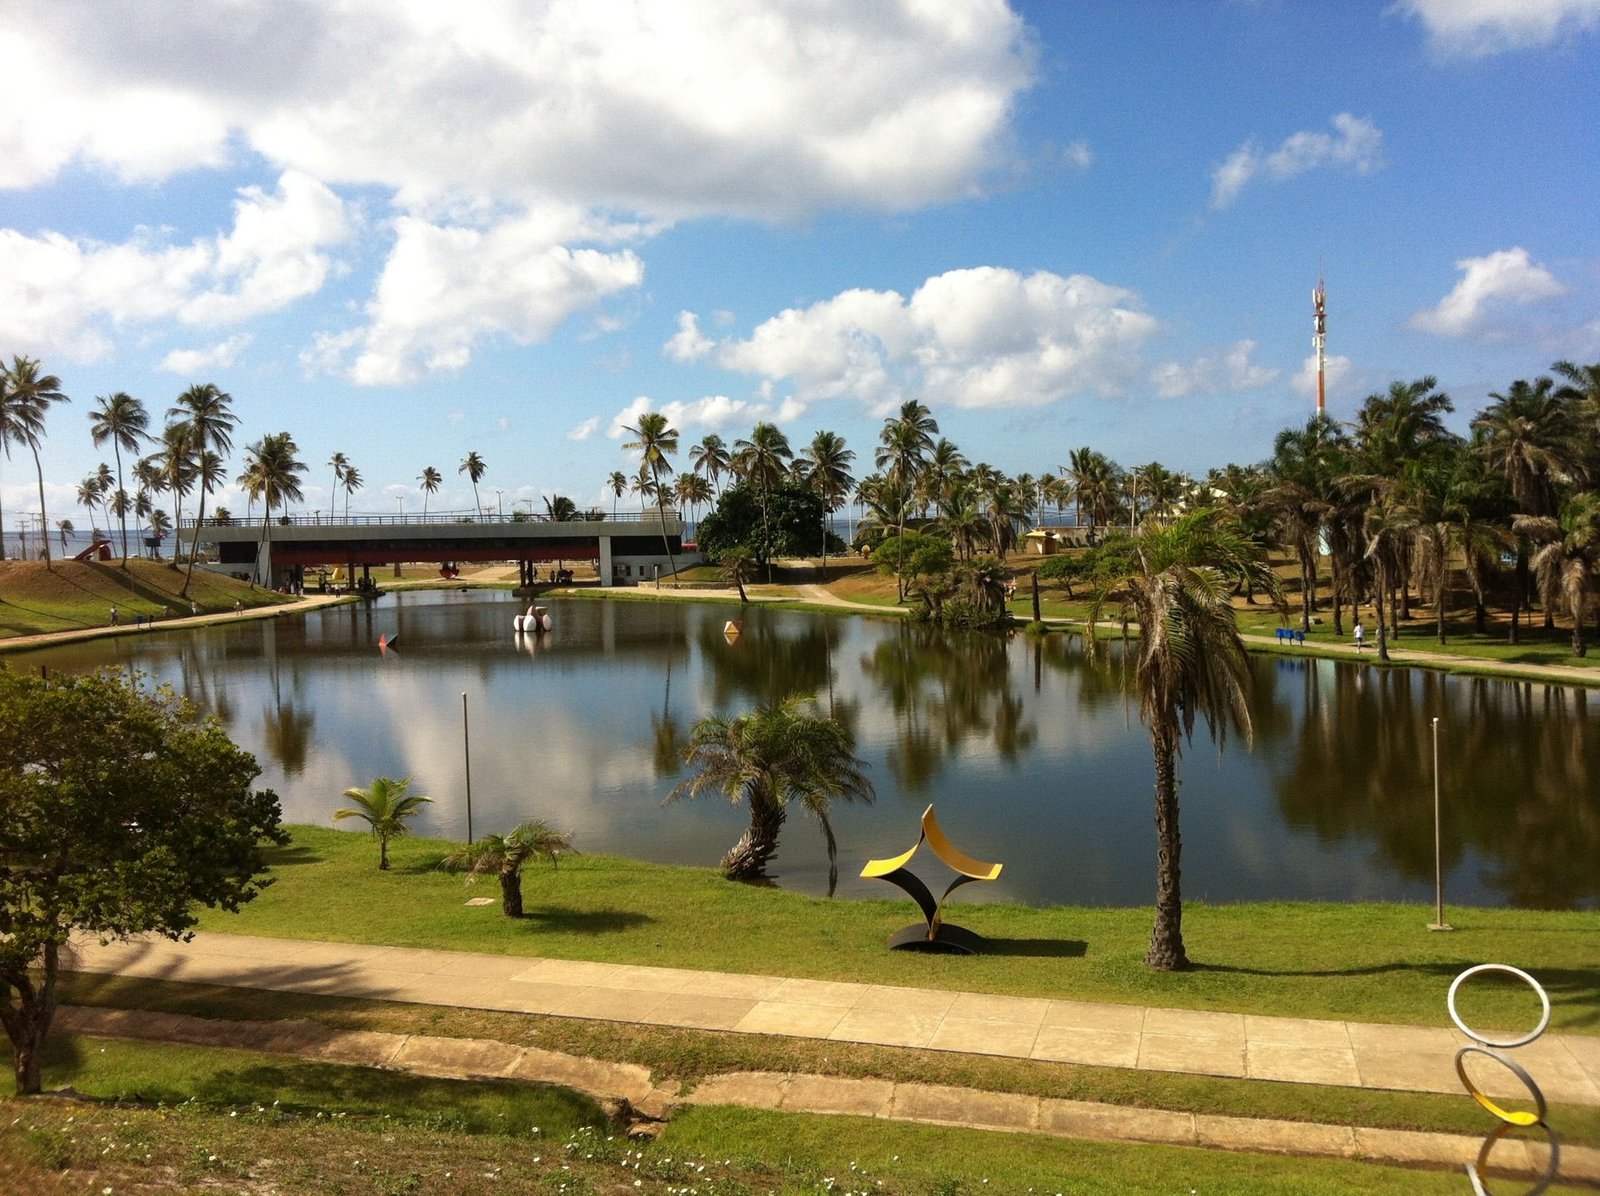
1230	371
1476	28
446	288
983	337
688	343
62	296
584	430
713	413
768	110
1337	372
1489	285
1355	143
194	361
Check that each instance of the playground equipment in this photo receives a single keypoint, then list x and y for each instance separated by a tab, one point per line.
935	935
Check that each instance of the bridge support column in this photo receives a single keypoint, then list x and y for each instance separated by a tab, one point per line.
605	560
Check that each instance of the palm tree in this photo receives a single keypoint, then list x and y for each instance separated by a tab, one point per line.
272	475
779	753
762	462
691	491
829	478
123	420
654	439
474	466
903	448
340	464
1567	560
1094	485
1306	462
176	466
65	529
352	483
25	397
89	495
711	458
504	855
386	807
208	411
160	525
430	480
618	485
1191	661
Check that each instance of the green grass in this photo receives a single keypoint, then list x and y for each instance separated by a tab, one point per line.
688	1056
72	596
1355	962
231	1120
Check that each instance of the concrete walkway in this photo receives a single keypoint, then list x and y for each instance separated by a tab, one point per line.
1245	1046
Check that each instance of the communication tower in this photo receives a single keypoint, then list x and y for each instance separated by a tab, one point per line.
1319	340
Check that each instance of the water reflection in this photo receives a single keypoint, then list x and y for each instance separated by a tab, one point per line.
1035	757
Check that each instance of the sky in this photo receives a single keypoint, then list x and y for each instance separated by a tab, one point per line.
406	231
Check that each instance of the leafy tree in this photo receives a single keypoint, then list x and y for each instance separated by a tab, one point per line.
780	753
386	807
340	464
123	420
617	483
761	462
119	810
26	396
353	481
904	446
1191	661
504	856
793	523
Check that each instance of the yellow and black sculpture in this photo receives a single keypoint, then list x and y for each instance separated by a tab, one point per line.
936	934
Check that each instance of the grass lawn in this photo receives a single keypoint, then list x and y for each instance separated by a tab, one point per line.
1355	962
70	596
234	1121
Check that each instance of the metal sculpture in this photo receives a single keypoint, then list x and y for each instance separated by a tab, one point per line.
935	934
1510	1119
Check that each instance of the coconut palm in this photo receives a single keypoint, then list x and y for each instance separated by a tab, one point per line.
711	458
431	481
26	396
353	481
828	475
123	420
762	462
272	475
779	753
654	439
1191	662
691	490
386	807
617	483
474	466
340	463
64	529
1306	463
1094	485
504	856
904	445
160	527
208	412
1566	562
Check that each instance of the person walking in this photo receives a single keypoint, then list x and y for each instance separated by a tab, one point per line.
113	615
1361	636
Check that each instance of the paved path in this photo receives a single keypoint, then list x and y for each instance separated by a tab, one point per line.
1347	1054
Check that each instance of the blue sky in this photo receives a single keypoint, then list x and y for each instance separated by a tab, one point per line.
409	231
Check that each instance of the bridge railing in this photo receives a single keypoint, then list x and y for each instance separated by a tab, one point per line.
431	519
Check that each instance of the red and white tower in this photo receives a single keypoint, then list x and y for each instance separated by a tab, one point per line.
1319	340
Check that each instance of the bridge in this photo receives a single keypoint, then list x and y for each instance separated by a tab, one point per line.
625	548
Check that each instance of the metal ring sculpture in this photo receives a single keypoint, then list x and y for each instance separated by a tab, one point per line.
1509	1119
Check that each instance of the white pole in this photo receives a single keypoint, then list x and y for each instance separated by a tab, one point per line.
466	752
1438	922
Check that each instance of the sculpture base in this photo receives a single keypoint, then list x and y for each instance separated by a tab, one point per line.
952	940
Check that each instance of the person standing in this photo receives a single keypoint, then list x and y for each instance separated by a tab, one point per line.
1361	636
113	614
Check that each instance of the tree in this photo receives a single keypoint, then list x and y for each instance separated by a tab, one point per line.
272	475
474	467
654	439
430	480
119	810
780	753
340	464
711	458
208	411
123	420
1567	560
504	856
617	483
790	524
1191	661
352	482
903	448
692	491
828	474
762	462
386	807
26	396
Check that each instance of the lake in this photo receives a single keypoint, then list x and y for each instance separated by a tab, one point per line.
1034	756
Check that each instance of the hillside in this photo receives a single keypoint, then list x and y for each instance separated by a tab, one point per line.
69	595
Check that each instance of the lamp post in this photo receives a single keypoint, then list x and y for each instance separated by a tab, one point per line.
466	754
500	503
1438	922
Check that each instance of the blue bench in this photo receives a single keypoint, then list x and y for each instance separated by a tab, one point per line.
1291	635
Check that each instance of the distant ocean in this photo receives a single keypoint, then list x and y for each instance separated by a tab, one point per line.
21	545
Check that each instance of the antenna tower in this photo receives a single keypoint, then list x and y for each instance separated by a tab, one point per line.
1319	340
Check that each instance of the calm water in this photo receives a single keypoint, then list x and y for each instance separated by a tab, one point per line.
1034	758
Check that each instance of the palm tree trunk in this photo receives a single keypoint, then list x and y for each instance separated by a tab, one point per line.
747	859
1166	952
1308	585
383	853
1381	585
1441	590
511	892
661	510
194	545
44	528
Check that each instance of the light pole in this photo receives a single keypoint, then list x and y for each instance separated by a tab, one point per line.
500	503
1438	922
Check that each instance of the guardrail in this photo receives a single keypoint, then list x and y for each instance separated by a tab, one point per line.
432	519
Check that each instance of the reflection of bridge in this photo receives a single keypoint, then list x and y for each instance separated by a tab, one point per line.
624	549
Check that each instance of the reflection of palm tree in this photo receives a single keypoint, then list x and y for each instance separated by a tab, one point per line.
386	807
1191	662
288	732
777	754
504	856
